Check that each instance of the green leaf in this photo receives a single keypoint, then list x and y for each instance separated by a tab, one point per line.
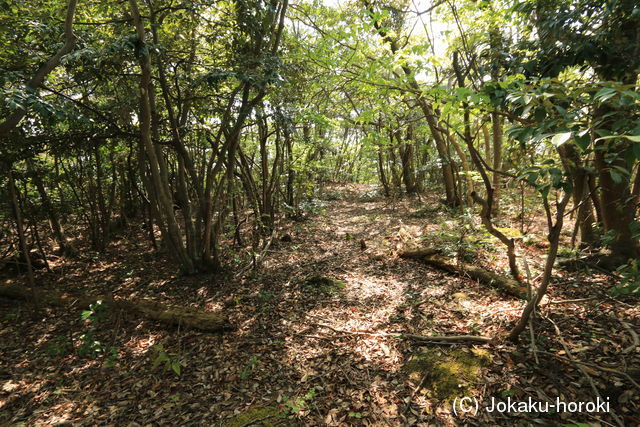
560	138
583	141
617	178
633	138
176	367
605	93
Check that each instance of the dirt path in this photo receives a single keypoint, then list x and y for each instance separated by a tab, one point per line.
291	351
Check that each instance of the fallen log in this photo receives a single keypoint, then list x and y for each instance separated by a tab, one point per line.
435	339
167	314
428	256
419	253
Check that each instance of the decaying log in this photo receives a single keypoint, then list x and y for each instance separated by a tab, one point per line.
419	253
170	315
436	339
510	286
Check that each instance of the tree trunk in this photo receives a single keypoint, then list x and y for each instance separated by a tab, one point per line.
616	202
19	228
408	166
579	177
66	248
496	125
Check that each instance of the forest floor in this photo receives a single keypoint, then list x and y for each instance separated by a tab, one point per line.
309	345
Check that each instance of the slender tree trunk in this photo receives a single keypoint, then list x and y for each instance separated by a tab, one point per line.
496	126
584	218
58	232
382	174
19	228
408	167
554	241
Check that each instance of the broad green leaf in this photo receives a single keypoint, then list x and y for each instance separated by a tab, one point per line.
617	178
560	138
634	138
605	93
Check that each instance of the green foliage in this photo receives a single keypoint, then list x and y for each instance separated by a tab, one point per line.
459	237
170	362
298	404
266	295
246	371
96	313
448	373
268	416
58	348
630	279
89	345
312	207
567	252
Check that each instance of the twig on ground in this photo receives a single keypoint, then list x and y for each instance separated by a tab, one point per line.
415	391
446	339
634	338
571	301
593	365
581	369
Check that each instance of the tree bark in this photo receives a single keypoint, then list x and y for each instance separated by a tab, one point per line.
616	202
579	177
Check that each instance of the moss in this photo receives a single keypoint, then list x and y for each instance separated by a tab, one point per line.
512	233
266	416
449	373
325	285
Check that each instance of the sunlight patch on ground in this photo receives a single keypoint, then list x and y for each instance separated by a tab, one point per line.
140	346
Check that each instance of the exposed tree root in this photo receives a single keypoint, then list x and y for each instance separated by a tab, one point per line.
170	315
419	254
428	256
634	338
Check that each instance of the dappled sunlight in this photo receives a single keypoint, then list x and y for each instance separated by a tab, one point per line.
319	212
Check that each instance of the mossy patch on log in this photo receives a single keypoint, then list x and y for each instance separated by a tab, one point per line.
325	285
448	373
266	416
